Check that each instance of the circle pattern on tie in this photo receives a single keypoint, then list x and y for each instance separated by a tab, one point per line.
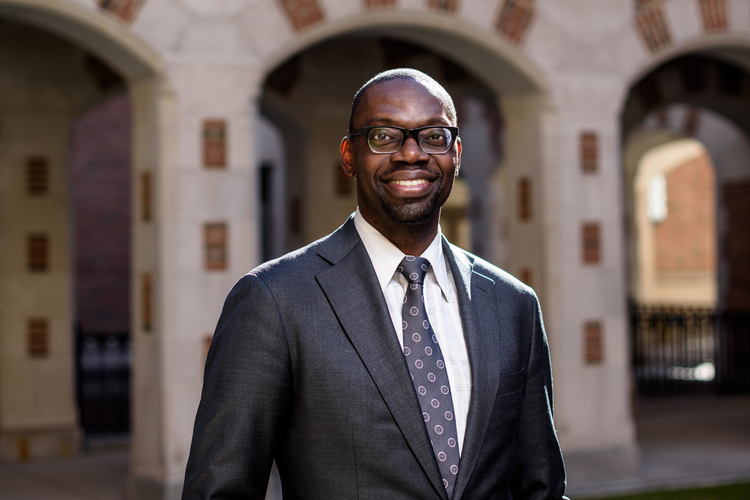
428	374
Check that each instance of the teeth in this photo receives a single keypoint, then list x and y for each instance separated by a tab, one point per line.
410	183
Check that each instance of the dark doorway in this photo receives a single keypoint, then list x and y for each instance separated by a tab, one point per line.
101	209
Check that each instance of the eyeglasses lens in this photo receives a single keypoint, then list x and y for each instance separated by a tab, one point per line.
435	140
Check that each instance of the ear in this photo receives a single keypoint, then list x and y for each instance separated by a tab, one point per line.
458	157
347	156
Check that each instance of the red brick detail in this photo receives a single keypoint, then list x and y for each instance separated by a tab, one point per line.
589	152
37	337
101	206
593	343
215	143
344	185
591	243
124	9
685	240
215	239
146	196
147	302
524	199
652	28
302	13
737	244
379	4
714	14
514	19
526	274
37	252
37	176
444	5
23	449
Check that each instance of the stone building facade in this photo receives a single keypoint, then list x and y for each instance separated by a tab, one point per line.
236	109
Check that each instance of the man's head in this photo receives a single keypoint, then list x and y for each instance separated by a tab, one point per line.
407	74
402	189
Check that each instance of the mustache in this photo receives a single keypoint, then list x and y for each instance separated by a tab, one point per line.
408	167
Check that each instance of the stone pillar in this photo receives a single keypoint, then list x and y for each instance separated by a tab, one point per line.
38	417
586	269
195	142
45	87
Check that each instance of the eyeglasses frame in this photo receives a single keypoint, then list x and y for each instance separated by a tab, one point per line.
414	132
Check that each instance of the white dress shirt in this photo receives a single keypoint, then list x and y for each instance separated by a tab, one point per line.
441	303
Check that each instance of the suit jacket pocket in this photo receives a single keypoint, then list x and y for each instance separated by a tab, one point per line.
511	382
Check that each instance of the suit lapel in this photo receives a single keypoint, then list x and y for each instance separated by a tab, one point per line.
479	320
352	289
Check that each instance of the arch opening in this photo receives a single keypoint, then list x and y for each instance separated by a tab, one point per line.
685	128
64	66
100	35
309	101
306	102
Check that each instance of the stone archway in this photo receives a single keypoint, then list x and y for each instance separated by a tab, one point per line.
507	81
702	95
57	98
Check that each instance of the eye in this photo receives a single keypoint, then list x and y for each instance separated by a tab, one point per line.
384	135
435	136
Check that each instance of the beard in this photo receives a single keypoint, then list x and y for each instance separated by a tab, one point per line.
411	212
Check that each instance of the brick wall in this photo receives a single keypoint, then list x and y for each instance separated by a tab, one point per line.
686	240
100	201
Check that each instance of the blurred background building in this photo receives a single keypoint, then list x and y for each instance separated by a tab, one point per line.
153	151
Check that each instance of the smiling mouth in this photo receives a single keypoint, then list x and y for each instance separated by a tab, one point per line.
414	182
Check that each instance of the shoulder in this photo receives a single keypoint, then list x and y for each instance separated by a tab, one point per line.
504	282
301	265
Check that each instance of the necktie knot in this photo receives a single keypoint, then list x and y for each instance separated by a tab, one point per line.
414	269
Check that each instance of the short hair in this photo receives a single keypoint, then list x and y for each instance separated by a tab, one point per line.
407	74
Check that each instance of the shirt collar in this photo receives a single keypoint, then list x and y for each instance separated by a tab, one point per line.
386	257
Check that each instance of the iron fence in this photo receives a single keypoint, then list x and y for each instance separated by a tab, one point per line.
103	382
679	350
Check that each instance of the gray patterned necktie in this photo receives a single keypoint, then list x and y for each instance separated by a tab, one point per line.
428	373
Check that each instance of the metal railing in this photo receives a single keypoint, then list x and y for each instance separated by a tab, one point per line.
103	382
677	350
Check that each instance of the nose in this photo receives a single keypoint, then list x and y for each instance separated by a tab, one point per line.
410	152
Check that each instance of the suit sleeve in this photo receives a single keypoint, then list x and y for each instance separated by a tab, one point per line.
246	394
540	473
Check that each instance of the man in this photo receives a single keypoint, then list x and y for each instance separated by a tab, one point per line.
381	362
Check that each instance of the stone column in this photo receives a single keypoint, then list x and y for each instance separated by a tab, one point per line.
195	142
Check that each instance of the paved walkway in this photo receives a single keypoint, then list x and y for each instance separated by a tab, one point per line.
96	476
682	442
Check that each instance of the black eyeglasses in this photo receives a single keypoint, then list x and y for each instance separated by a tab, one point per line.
387	140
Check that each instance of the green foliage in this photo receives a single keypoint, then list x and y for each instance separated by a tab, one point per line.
730	492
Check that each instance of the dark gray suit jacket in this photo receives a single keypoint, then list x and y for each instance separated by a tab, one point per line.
305	368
